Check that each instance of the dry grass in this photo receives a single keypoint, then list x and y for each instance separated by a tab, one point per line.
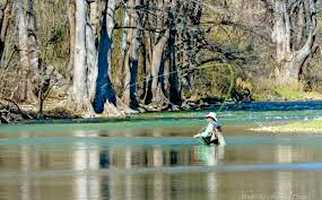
314	126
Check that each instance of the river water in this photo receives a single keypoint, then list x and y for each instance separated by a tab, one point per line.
158	159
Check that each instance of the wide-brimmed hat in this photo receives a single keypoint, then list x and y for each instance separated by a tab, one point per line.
212	116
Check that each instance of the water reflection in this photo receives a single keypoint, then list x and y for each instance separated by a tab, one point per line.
284	154
85	159
88	170
210	156
80	165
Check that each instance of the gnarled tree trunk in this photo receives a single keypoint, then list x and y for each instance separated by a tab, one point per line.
157	71
154	93
293	46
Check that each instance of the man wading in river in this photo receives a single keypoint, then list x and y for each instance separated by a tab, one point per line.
213	133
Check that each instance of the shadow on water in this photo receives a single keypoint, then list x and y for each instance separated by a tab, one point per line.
272	106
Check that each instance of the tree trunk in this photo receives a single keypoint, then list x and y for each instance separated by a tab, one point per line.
72	29
173	77
83	57
92	89
28	50
156	70
145	71
124	50
162	87
282	31
105	99
126	43
131	60
5	16
80	93
110	23
23	48
126	22
174	83
104	90
37	76
91	49
291	56
33	43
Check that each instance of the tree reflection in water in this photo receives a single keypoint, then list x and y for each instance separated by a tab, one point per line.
95	169
156	184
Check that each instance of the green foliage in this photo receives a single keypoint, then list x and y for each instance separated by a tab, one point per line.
214	79
265	90
288	93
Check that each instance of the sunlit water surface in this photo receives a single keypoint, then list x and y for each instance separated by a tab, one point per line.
158	159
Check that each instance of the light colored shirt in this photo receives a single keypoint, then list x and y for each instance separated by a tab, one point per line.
209	130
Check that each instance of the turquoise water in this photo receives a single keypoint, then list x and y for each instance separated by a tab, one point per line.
158	159
166	120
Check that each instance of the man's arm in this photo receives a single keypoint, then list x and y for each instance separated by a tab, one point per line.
208	131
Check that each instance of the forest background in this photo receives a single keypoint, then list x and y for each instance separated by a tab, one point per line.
117	57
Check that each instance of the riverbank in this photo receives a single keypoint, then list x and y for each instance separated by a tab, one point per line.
242	110
311	127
